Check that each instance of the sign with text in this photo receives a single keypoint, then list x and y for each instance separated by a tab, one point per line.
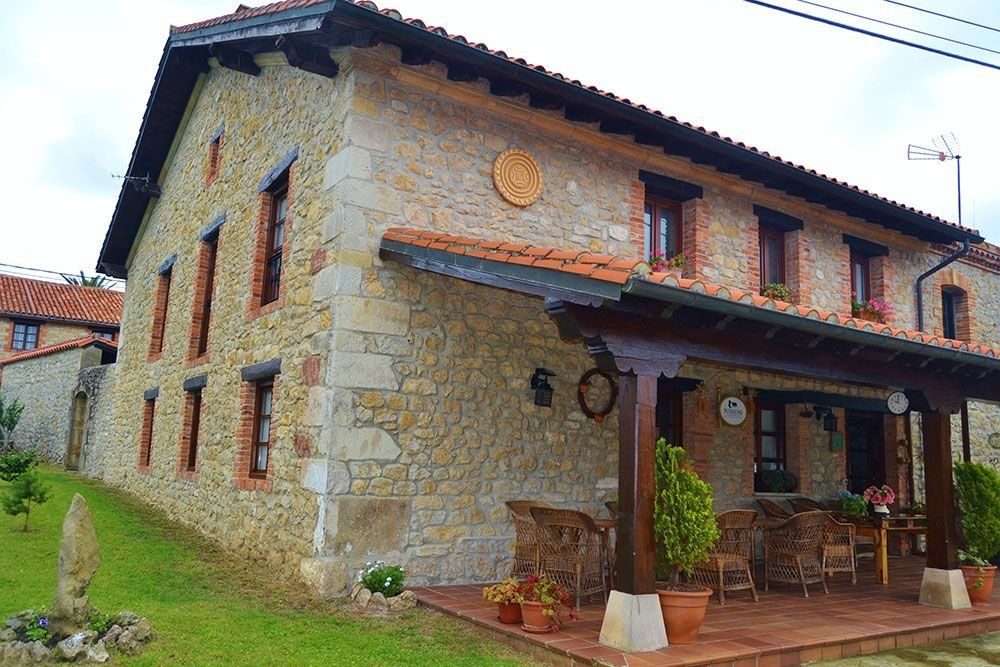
732	411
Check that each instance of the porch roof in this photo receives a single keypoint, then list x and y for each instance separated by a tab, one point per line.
617	299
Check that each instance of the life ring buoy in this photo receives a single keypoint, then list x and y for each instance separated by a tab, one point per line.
584	385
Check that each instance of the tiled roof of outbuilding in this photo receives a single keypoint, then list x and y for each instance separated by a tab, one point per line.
612	269
244	12
39	299
86	341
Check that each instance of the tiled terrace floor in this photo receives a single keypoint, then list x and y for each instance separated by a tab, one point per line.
784	628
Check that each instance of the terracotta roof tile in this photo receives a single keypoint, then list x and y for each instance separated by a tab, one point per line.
276	7
86	341
608	268
57	301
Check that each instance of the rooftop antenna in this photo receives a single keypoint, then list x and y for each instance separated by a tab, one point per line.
945	148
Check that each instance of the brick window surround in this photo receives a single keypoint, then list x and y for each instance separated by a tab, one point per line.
199	335
868	268
189	461
281	186
245	478
213	159
963	299
145	461
157	337
25	335
692	223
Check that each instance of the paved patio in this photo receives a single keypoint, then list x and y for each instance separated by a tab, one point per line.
784	628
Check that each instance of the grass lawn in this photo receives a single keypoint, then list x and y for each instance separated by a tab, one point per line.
208	608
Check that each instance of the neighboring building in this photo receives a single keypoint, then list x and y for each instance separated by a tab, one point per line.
36	313
319	367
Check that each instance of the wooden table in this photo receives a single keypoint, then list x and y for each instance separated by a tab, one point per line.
880	529
607	526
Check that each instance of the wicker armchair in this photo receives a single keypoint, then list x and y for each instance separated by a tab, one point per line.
572	551
792	551
838	549
728	565
527	558
772	509
612	506
803	504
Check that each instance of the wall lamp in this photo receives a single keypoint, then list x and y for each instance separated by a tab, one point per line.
540	384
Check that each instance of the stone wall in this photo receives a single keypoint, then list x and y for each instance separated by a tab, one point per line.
49	333
97	383
45	386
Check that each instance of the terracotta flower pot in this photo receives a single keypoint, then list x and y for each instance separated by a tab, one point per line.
979	582
509	612
683	613
535	619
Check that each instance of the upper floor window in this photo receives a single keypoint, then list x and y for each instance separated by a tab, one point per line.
861	277
275	245
769	452
772	257
261	448
106	334
211	251
949	314
158	335
214	158
24	336
194	426
663	227
956	317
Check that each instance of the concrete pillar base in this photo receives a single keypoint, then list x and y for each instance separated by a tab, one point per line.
633	623
944	588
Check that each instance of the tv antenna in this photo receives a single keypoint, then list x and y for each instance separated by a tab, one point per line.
945	148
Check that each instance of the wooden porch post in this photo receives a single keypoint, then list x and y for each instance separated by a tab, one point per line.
632	620
635	547
943	585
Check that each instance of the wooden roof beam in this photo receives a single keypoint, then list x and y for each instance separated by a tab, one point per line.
234	59
462	72
308	57
415	55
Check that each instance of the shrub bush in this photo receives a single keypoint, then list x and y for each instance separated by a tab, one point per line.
27	490
381	578
779	481
15	464
978	490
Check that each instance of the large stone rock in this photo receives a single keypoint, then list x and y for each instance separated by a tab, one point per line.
75	645
79	558
403	601
97	654
367	525
378	604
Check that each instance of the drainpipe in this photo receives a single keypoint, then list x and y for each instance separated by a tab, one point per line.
947	260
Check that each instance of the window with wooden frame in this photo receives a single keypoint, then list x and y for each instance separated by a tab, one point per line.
669	414
772	257
146	436
861	277
955	313
158	335
663	227
24	335
210	252
271	288
213	159
770	446
261	444
194	426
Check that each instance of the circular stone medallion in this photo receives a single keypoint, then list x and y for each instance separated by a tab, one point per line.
517	177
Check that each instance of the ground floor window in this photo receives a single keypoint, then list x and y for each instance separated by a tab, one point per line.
769	452
262	430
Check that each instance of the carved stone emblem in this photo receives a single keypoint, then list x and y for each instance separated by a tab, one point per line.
517	177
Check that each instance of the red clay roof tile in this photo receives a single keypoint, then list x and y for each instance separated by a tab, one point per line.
85	341
56	301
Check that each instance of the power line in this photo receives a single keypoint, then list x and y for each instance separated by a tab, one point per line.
944	16
877	35
19	271
896	25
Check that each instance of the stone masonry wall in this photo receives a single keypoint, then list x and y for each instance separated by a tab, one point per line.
98	384
45	386
49	333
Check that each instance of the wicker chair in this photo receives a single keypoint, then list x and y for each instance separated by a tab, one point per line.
572	551
803	504
612	506
527	558
838	549
772	509
792	551
728	565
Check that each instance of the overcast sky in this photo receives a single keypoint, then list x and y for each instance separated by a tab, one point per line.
74	78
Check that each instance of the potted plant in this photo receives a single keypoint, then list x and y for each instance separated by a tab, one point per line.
685	529
873	310
544	603
852	504
673	265
507	597
779	481
777	291
880	497
978	490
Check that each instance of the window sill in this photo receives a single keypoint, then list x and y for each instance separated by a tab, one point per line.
252	484
188	475
267	309
198	361
145	470
154	356
771	494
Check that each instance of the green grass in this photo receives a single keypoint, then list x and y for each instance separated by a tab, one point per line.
208	608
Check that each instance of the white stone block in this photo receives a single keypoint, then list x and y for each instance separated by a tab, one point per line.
369	195
371	315
633	623
367	133
944	588
361	370
325	477
350	162
361	444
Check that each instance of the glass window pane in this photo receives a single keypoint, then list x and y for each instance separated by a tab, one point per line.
769	466
260	461
768	421
281	208
859	282
265	402
279	236
772	267
649	227
769	447
264	432
668	231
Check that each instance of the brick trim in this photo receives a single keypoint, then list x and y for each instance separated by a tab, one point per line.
213	157
695	214
157	338
244	438
636	202
187	423
201	295
255	308
966	323
25	320
145	461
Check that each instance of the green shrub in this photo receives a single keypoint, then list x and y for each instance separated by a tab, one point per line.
779	481
100	622
978	490
26	490
776	291
381	578
10	415
37	629
15	464
683	518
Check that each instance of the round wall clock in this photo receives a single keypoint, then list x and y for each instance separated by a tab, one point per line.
994	440
898	403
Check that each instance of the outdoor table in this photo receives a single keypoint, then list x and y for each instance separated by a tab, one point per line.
879	528
760	524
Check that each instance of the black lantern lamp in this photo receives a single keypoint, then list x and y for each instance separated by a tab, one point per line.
829	419
542	388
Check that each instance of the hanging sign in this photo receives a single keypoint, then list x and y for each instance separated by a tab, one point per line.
732	411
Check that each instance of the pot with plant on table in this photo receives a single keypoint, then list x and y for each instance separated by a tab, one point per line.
978	489
880	497
686	530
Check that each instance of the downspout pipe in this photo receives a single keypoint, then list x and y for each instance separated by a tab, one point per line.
966	247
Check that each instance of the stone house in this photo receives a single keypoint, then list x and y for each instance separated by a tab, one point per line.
358	240
37	313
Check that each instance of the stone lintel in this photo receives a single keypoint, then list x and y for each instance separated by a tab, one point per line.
196	383
151	394
633	623
944	589
261	371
